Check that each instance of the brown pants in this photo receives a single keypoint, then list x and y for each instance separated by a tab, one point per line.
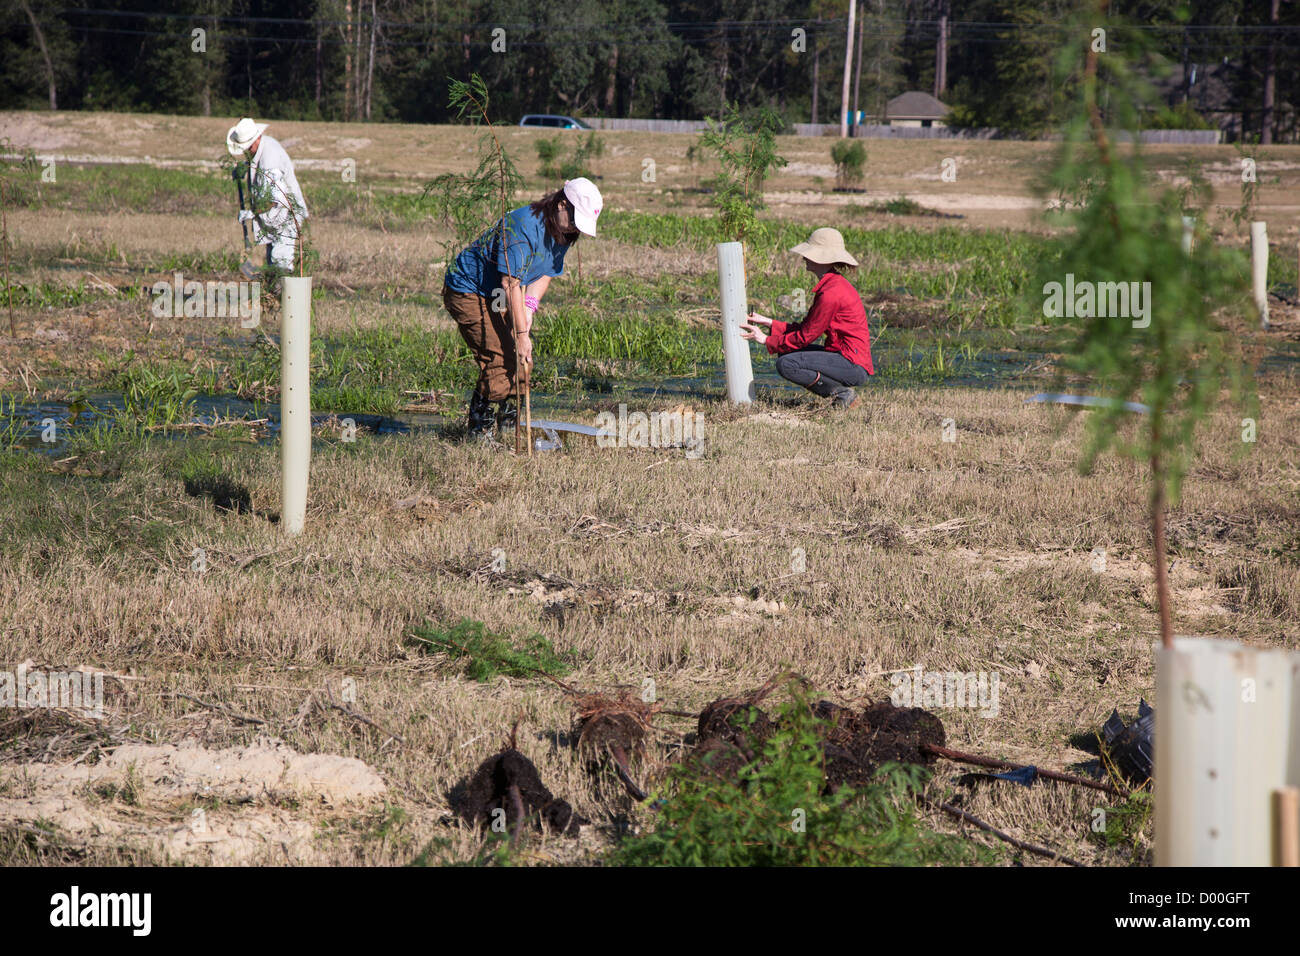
490	336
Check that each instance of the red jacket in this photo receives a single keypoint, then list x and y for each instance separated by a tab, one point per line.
837	312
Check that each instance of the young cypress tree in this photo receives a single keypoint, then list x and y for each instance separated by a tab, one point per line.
1182	352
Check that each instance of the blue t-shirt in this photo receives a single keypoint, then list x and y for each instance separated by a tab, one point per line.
532	254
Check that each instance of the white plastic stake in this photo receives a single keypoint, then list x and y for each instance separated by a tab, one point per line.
1259	269
735	308
295	401
1189	227
1227	735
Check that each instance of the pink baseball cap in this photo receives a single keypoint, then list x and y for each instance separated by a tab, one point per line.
586	203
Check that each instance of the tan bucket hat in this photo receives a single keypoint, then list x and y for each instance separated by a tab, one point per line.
825	246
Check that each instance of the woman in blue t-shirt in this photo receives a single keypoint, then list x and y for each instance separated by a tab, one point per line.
497	283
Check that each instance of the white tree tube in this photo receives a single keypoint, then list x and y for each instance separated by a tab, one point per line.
1227	735
295	401
1189	228
1259	269
735	308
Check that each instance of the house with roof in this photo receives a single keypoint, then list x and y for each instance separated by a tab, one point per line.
915	108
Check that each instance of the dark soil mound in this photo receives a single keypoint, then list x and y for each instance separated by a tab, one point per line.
737	721
857	744
508	781
732	731
716	757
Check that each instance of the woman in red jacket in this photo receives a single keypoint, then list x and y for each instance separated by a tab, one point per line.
844	362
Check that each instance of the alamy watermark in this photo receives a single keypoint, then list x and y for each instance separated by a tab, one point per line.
932	689
130	910
1085	300
208	300
679	428
29	688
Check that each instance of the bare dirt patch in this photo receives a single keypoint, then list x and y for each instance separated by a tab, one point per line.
188	803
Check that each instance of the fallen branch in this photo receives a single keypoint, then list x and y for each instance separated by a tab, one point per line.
222	709
357	715
1019	844
996	764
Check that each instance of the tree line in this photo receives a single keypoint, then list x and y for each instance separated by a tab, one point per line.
1219	62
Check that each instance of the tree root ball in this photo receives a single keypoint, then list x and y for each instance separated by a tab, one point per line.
857	744
508	781
613	726
736	721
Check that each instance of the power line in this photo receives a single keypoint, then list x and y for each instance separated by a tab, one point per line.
680	26
327	39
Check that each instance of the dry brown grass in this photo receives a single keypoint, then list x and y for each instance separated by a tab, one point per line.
968	556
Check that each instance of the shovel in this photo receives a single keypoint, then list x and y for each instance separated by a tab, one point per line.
247	268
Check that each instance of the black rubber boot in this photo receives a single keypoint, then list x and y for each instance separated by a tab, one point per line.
507	414
481	420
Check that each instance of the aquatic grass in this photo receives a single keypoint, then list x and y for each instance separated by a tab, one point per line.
990	267
12	422
157	395
360	370
660	344
53	295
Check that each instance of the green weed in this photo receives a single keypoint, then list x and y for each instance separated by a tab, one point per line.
488	655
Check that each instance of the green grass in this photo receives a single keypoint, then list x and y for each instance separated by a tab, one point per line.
128	188
990	266
901	206
660	344
487	655
362	370
46	511
140	188
51	295
157	395
12	423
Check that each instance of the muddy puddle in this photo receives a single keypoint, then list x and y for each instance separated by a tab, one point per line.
48	426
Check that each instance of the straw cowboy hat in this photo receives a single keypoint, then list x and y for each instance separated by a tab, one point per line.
243	135
826	247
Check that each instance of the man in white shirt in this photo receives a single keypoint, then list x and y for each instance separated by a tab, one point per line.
277	209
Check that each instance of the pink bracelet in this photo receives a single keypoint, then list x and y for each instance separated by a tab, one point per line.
531	301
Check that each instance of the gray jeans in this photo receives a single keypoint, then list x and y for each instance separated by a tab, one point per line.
820	371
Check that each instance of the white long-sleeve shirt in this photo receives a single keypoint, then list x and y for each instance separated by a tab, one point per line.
273	176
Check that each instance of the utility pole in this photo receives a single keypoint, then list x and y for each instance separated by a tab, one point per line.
817	59
857	72
848	70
